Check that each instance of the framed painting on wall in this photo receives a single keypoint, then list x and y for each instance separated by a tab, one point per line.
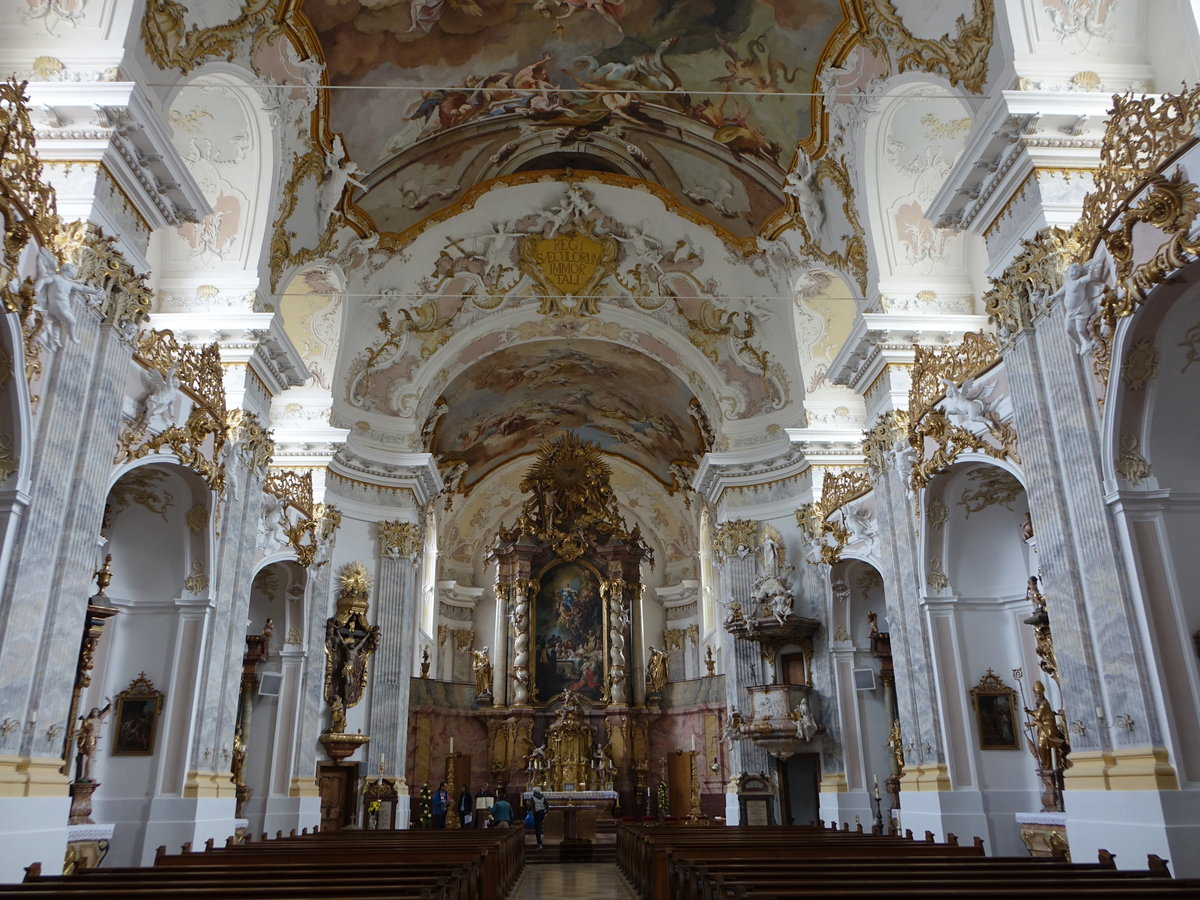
995	713
138	707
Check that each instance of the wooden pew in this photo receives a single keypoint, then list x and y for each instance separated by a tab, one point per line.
696	863
422	865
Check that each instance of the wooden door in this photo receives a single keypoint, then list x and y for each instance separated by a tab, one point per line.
335	784
679	783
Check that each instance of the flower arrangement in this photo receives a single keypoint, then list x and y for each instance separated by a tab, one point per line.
425	806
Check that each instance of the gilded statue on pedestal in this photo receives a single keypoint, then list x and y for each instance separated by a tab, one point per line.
656	671
481	664
86	740
349	641
1051	746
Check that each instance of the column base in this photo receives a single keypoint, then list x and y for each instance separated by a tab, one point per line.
1133	823
32	829
968	814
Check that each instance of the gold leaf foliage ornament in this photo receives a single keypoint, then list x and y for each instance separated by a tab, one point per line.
961	59
399	540
571	505
172	45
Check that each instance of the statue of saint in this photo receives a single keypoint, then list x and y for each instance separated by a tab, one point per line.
237	765
656	670
86	740
482	666
895	743
1051	744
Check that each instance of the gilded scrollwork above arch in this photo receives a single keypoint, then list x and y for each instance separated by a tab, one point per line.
961	59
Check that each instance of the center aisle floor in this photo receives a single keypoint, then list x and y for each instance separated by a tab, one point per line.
578	881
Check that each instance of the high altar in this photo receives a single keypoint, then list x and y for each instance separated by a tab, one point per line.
569	579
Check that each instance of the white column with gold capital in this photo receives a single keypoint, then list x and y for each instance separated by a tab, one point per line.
396	591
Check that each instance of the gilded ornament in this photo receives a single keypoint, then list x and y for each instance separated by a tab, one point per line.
1131	465
673	638
144	486
197	581
1018	296
991	487
294	637
399	540
27	201
936	576
172	45
1142	135
196	518
962	59
1141	363
462	639
570	266
293	488
840	488
738	537
889	428
571	504
254	442
938	513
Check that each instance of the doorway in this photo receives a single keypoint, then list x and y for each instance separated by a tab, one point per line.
800	776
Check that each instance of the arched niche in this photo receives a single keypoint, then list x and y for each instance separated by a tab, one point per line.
1150	436
864	685
268	719
978	561
156	527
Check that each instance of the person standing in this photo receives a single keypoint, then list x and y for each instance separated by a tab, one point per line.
537	803
441	804
465	807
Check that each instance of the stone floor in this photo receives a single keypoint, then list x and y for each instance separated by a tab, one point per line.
580	881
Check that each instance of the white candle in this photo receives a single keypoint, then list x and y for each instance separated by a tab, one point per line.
451	746
693	743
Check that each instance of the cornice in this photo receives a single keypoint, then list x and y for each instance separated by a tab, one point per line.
414	472
1020	132
748	467
125	132
881	339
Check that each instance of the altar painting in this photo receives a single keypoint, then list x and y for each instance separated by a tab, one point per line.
569	640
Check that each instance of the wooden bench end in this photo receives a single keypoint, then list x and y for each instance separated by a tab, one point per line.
33	871
1107	860
1158	865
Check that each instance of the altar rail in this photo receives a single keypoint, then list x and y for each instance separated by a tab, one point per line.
667	862
366	865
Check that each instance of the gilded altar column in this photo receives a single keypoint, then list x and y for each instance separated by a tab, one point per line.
522	598
396	592
618	596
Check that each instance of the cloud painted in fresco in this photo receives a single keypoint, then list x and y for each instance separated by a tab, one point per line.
615	396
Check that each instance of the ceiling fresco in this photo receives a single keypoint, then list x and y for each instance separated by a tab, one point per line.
574	62
503	406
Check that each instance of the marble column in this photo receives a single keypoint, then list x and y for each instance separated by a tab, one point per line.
51	570
1087	589
901	567
397	588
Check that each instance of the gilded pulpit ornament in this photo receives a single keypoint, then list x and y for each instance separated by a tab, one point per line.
349	641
